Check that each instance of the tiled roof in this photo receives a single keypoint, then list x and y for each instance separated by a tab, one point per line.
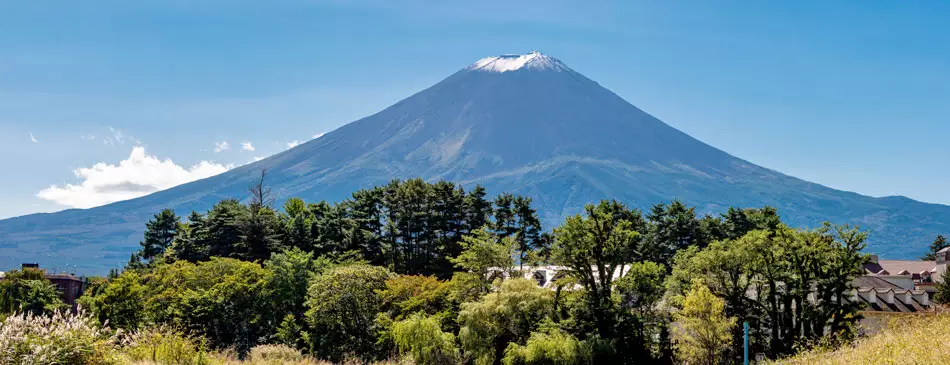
873	282
61	277
897	306
897	267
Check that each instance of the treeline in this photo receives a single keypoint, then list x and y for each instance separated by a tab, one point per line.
416	269
410	227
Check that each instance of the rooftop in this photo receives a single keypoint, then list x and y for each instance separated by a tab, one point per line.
907	267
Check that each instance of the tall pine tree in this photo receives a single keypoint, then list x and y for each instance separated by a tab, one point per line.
938	244
160	232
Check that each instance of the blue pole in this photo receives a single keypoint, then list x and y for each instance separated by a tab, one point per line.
745	342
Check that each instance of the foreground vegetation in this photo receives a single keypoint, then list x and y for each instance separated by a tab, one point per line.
65	338
415	271
912	339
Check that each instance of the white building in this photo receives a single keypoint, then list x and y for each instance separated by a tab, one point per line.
911	274
546	275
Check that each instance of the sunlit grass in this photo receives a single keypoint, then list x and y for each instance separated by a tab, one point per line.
908	339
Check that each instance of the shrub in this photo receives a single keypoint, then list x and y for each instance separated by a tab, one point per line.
60	338
165	346
276	354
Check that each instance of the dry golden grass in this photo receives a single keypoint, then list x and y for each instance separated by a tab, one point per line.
912	339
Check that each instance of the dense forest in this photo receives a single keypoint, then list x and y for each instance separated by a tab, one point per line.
435	274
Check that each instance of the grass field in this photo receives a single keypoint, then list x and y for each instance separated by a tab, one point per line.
910	339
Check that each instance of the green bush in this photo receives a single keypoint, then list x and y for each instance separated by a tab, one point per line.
164	346
275	354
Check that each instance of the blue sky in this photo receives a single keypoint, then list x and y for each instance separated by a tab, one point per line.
853	95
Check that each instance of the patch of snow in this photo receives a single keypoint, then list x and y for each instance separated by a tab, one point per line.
512	62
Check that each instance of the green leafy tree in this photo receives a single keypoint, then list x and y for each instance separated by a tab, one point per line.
724	268
408	294
938	244
703	331
552	346
222	299
508	315
942	295
595	247
286	288
483	251
639	291
28	291
342	304
121	302
800	279
422	338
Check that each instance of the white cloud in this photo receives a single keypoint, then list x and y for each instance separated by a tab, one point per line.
318	135
138	175
221	146
33	138
88	137
247	146
293	144
258	158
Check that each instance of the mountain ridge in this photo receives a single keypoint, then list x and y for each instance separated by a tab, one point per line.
526	124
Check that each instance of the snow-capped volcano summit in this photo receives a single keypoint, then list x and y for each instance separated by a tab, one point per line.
511	62
525	124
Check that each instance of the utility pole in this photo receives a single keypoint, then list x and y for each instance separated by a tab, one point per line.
745	343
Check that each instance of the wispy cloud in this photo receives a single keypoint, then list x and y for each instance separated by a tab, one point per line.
138	175
247	146
116	137
32	138
221	146
293	144
257	158
318	135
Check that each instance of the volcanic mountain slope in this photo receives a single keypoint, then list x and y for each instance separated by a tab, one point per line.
526	124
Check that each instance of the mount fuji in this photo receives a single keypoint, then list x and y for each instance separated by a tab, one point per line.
526	124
